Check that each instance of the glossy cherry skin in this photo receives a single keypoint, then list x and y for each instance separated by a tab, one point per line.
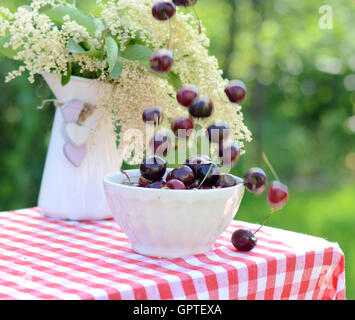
160	143
185	3
175	184
157	185
162	60
277	195
229	153
236	91
255	180
243	240
185	174
186	95
163	10
182	127
194	161
218	131
153	115
201	107
212	174
143	182
226	181
153	168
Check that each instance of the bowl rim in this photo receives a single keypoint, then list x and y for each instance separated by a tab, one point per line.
108	182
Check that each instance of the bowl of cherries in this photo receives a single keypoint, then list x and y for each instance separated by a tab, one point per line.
170	213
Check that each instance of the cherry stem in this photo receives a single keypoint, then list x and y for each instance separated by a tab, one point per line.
127	176
266	219
270	166
171	34
156	121
205	177
198	19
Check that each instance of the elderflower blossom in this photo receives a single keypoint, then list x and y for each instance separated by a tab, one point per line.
42	46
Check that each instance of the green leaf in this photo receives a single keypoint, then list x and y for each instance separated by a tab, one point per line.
174	80
112	52
140	53
74	47
99	27
117	69
57	14
7	52
66	78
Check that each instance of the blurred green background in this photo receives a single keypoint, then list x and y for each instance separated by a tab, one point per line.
300	108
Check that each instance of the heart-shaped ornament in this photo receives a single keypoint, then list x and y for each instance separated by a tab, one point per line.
74	154
78	135
71	110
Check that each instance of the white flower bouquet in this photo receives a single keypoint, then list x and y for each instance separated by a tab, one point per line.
118	45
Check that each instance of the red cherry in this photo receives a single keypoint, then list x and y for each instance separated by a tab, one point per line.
236	91
218	131
163	10
184	174
176	184
162	60
153	115
182	127
277	195
186	95
229	153
201	107
243	240
255	180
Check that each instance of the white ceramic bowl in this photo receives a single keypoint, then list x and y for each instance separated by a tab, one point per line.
171	223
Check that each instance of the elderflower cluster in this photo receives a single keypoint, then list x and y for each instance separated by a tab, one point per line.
42	46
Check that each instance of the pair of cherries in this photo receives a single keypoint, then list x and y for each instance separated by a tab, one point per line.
255	181
163	59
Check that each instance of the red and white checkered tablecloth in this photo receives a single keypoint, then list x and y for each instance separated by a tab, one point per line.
43	258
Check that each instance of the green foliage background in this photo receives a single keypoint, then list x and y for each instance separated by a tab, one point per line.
301	82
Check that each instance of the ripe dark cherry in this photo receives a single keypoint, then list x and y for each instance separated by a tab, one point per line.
175	184
143	182
218	131
153	115
255	180
277	195
163	10
212	174
182	127
185	3
226	181
201	107
160	143
162	60
153	168
229	153
243	240
184	174
194	161
157	185
186	95
236	91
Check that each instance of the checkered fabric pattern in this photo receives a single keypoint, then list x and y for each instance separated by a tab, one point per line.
43	258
